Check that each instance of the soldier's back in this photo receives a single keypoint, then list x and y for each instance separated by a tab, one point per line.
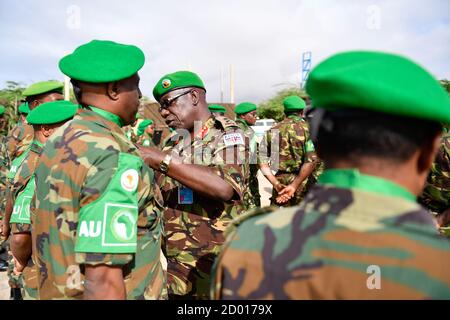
90	175
338	244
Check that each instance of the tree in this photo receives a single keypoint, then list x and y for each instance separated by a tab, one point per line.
11	97
273	108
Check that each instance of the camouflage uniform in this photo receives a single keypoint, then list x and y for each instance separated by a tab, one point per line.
252	197
11	178
436	195
22	188
13	146
295	149
4	165
331	246
194	229
19	139
95	203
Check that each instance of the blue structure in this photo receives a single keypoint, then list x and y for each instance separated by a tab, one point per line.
306	67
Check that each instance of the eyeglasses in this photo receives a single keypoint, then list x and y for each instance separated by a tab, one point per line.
166	103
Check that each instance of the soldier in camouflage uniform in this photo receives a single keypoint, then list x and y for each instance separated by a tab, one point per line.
246	117
18	145
98	214
359	233
45	120
217	110
145	132
203	170
297	157
436	195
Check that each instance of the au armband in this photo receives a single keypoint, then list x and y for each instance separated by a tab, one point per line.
109	224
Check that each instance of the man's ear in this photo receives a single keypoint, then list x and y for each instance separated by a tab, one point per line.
46	130
112	90
195	97
427	154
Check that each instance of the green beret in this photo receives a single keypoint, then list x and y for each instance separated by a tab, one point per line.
2	109
244	107
24	108
138	116
52	112
176	80
294	103
380	82
102	61
43	87
217	108
143	125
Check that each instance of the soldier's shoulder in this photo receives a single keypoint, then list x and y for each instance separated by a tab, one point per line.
225	124
83	136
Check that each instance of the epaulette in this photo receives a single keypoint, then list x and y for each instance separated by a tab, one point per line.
248	215
225	123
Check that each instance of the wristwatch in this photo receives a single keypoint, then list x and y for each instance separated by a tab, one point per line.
165	163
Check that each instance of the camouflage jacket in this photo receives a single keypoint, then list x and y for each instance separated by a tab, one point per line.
13	146
22	178
436	195
96	203
294	145
4	166
19	139
251	193
194	224
21	214
354	237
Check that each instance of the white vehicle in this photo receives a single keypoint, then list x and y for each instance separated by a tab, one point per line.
262	125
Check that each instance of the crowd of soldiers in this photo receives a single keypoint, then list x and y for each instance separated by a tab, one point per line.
92	208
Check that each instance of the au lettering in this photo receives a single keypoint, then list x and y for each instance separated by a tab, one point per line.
91	230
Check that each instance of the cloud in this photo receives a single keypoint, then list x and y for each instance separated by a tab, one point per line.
263	40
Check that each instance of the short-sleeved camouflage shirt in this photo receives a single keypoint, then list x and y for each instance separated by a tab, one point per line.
194	224
19	139
22	178
340	243
96	203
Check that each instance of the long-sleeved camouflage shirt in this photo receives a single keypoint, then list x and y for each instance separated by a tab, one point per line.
194	224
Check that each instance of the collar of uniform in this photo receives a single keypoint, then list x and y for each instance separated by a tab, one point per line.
37	146
353	179
295	117
206	127
108	115
243	122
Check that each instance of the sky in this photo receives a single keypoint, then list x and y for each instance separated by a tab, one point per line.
262	40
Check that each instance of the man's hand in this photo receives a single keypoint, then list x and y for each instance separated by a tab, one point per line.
286	194
278	186
152	156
